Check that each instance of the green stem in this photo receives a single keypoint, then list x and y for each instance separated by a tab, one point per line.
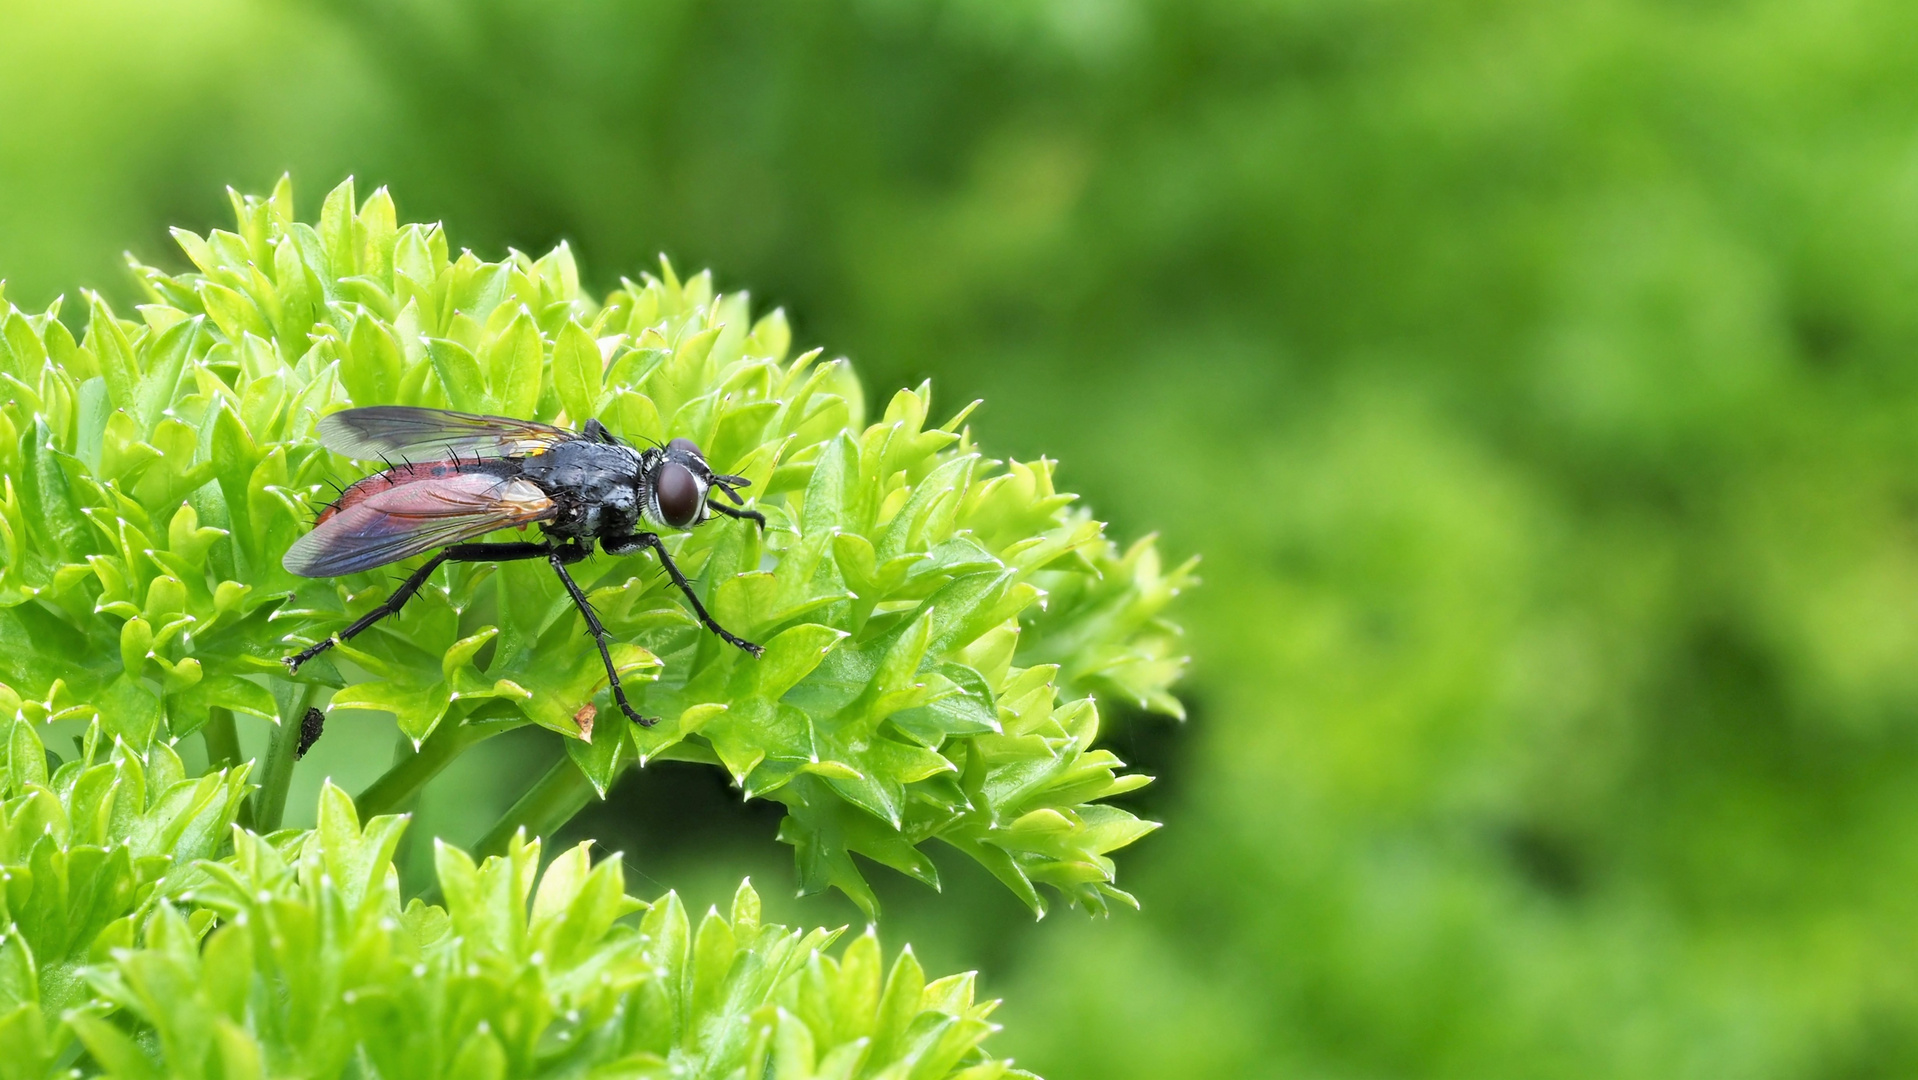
222	738
409	774
563	792
276	772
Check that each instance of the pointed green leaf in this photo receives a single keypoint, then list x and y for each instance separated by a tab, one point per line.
577	370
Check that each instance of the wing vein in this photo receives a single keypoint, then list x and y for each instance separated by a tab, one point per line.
378	431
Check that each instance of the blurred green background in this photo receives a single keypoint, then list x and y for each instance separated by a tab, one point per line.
1537	381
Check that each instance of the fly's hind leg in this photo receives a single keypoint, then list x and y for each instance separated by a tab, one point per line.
392	604
559	557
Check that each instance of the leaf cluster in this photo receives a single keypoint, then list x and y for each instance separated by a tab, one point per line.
934	619
87	850
293	955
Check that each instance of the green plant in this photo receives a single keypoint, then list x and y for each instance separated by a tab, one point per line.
936	624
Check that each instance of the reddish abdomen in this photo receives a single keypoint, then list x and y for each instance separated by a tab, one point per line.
366	488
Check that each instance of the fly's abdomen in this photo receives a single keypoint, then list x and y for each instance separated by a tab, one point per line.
406	473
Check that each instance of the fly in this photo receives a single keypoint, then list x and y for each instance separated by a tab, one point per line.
493	472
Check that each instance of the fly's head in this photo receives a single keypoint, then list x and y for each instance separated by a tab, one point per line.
680	481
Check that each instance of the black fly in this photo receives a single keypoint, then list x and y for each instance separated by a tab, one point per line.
493	472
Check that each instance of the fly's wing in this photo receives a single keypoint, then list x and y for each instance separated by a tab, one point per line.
410	518
386	431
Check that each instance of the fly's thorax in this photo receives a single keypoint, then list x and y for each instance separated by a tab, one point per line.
616	515
594	486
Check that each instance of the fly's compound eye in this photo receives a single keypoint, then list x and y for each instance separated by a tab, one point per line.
678	493
686	447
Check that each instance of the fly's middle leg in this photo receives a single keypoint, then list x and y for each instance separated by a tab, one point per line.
559	557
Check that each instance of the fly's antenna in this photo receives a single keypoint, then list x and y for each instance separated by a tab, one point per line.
727	483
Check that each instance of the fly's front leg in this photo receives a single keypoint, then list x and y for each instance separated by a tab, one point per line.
559	557
392	604
734	512
628	545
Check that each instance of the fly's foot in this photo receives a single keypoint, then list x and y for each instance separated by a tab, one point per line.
747	647
619	698
293	662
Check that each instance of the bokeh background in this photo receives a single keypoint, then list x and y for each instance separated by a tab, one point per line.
1537	380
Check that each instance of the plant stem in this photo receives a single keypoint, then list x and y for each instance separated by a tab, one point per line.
276	773
222	739
409	774
563	792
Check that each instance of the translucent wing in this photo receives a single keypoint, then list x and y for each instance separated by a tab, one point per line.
408	519
385	431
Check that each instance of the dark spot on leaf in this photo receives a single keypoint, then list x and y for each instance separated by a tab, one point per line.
311	727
